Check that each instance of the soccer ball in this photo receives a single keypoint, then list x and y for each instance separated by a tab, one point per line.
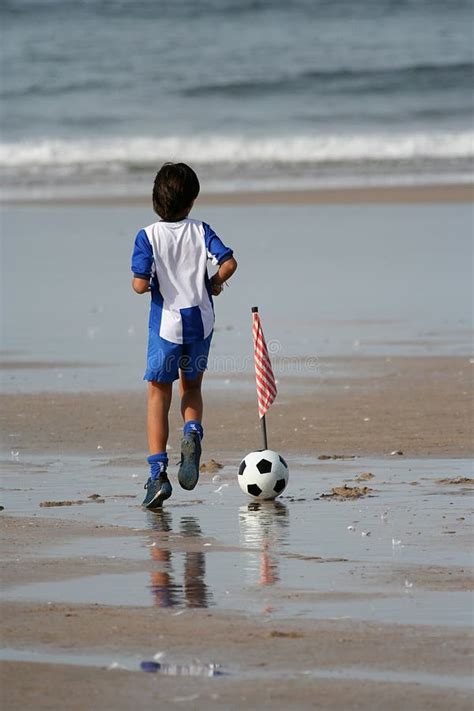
263	475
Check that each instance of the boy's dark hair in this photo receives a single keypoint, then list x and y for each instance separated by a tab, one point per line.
176	186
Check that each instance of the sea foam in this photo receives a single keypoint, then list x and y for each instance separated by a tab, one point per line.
135	153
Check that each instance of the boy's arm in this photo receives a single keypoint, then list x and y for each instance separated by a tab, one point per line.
141	286
142	263
224	272
219	254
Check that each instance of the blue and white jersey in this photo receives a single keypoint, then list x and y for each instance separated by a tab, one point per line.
174	256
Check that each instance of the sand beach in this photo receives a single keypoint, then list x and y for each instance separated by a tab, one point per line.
310	602
334	146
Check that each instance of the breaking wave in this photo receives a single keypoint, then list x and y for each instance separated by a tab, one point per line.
140	153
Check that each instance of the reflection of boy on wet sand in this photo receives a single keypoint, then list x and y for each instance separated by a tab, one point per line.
195	589
166	592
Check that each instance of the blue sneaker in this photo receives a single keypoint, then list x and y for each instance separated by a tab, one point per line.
157	490
188	473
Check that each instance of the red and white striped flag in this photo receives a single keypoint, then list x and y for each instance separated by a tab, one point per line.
266	386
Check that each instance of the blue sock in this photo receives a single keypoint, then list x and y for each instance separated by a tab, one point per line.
158	464
193	426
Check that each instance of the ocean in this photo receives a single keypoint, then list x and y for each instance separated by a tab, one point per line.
256	94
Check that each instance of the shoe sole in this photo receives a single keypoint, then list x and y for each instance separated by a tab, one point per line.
157	501
188	473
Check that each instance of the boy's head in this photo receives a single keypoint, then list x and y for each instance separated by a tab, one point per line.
174	191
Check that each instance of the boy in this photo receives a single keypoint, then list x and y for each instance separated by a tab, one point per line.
170	260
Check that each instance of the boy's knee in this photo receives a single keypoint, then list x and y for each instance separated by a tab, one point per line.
156	389
194	384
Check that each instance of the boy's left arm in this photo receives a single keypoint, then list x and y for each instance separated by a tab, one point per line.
225	271
219	254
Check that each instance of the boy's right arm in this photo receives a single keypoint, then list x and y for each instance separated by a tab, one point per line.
141	286
142	263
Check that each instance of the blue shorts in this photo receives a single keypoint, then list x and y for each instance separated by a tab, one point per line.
166	359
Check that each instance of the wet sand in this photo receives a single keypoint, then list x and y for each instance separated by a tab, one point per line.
311	603
92	688
421	406
390	194
367	615
64	650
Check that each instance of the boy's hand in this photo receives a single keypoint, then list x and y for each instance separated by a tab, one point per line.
141	286
216	285
226	270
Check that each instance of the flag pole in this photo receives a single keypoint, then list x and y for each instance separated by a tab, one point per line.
263	421
264	432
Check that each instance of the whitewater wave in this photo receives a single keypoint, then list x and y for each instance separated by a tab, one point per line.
140	153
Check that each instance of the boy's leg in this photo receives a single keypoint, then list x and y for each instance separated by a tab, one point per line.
191	410
159	401
191	397
192	366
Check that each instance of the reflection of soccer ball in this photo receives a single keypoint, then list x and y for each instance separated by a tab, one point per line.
263	475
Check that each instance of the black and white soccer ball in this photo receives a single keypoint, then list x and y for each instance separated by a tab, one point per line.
263	475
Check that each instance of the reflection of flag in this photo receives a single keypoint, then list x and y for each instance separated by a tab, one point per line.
266	387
